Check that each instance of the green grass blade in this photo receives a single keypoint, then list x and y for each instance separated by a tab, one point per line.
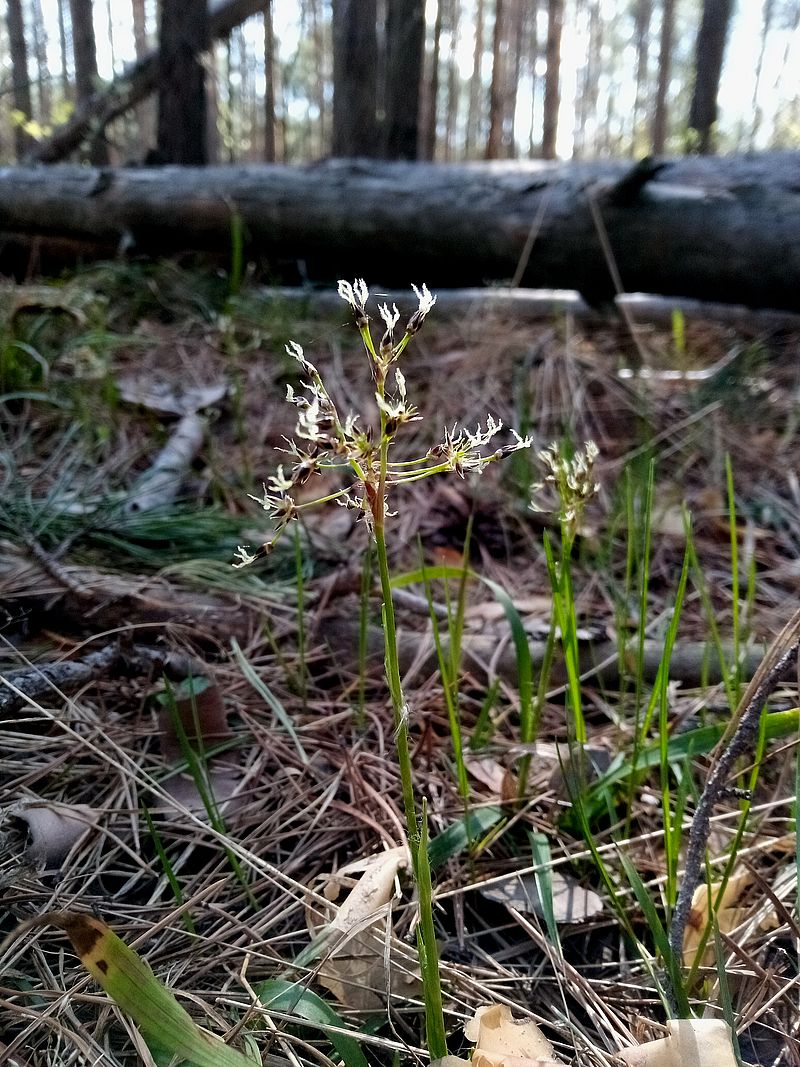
266	693
543	861
524	662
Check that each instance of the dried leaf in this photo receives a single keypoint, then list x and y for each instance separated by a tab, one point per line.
356	968
571	902
53	829
729	915
166	397
501	1041
689	1043
202	715
488	772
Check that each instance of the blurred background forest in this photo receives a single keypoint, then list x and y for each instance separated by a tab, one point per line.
299	80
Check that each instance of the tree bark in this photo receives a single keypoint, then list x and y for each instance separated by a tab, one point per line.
405	43
453	85
710	51
664	69
145	119
269	79
66	88
497	86
355	63
39	35
131	87
552	80
183	36
642	18
86	80
725	230
475	84
766	25
20	78
430	110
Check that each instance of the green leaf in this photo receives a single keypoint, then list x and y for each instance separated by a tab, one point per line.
457	836
293	999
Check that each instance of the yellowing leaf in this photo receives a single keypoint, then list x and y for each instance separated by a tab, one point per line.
129	980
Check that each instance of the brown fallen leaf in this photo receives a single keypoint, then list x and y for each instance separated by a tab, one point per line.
355	970
53	829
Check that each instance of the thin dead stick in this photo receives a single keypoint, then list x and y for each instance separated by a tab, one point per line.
736	740
43	681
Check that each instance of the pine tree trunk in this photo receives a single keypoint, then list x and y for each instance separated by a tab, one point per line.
66	88
552	82
710	51
766	24
532	52
516	35
20	78
453	84
269	93
642	19
145	117
664	68
475	85
39	34
724	230
183	37
405	44
497	88
318	41
355	61
590	89
431	96
86	80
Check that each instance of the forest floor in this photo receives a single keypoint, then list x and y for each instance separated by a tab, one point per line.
204	758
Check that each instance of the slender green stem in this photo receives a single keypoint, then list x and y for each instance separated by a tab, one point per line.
399	708
418	843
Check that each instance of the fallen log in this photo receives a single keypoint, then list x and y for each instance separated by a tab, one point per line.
132	86
725	230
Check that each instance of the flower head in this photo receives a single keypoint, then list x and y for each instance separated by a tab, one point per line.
572	479
356	295
426	301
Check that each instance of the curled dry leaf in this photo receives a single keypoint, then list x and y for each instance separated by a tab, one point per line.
689	1043
358	969
53	829
501	1041
729	915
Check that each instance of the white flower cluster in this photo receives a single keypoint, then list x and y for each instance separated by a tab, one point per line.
330	443
572	479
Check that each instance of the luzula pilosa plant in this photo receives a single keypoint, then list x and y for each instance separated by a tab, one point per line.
326	442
